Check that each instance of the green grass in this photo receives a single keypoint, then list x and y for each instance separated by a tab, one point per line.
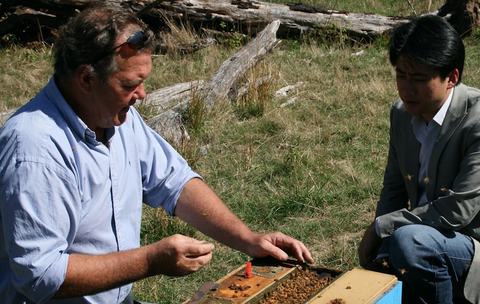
312	169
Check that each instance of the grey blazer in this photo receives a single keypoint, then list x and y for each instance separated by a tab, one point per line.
453	187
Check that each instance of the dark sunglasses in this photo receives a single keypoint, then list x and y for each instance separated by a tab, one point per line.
134	42
137	40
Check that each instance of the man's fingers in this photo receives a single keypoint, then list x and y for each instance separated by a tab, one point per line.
293	247
199	248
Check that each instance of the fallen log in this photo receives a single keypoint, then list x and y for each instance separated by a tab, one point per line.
294	20
185	48
248	17
216	91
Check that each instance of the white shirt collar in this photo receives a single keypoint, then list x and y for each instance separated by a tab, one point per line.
440	116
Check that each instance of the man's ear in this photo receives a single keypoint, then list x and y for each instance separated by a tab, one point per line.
452	78
86	79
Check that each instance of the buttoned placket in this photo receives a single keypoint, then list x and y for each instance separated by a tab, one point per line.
117	210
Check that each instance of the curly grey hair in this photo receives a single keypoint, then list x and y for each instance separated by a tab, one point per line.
90	38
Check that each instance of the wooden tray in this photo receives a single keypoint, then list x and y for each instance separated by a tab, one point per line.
267	274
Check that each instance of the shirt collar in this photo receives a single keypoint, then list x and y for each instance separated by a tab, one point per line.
72	119
440	116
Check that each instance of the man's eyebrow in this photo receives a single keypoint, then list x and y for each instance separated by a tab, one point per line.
414	73
133	82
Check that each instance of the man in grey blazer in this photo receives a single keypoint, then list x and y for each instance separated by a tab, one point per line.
427	222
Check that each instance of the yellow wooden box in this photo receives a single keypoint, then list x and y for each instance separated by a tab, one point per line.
359	286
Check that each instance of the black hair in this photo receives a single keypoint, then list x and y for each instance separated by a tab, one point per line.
429	40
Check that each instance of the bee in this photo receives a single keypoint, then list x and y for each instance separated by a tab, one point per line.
204	214
444	189
409	177
426	180
403	271
385	263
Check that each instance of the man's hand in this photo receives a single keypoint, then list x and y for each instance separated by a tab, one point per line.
368	249
279	246
178	255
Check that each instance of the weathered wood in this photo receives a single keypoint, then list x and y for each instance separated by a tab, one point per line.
293	22
170	125
249	17
186	48
232	70
166	98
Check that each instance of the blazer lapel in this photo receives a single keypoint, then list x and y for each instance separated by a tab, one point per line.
455	115
411	164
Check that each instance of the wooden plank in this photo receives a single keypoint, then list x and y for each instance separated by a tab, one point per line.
357	286
267	274
240	290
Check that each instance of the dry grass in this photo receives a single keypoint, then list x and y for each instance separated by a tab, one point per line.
312	169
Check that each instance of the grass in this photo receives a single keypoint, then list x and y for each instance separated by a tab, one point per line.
312	169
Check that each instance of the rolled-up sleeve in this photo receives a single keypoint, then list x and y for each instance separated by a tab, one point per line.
39	216
164	171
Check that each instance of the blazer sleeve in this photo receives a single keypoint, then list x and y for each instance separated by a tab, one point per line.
394	195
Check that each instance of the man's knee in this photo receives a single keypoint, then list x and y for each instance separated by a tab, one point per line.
410	243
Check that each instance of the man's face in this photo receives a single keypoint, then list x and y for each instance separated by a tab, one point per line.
421	88
122	89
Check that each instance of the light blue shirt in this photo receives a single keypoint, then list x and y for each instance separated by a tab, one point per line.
63	192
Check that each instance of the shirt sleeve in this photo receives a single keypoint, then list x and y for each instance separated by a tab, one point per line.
164	171
39	215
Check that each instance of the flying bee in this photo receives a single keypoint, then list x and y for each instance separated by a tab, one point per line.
426	180
409	177
403	271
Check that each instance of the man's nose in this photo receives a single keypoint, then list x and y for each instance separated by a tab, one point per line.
140	92
408	87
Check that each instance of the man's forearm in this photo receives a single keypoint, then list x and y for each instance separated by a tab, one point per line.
199	206
90	274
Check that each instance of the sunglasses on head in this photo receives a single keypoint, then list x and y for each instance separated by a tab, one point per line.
136	41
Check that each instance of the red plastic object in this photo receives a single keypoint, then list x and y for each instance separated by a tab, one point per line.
248	270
